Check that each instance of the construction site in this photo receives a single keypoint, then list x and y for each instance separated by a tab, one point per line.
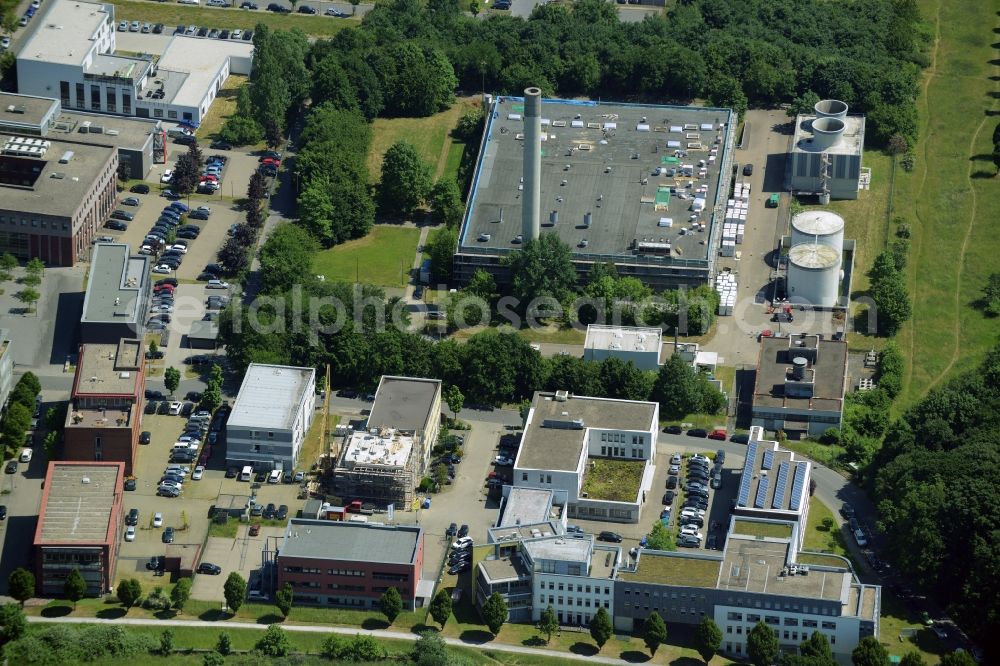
381	465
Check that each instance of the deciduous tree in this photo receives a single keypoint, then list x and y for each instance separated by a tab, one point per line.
75	587
406	180
13	623
446	202
21	585
543	268
171	379
274	642
391	604
655	633
181	593
494	613
548	623
869	652
762	645
601	628
440	608
235	591
707	638
129	592
283	599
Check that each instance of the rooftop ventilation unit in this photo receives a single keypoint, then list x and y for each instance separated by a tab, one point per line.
66	157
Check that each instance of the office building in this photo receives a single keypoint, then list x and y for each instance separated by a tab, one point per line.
350	564
272	414
79	526
118	295
641	346
104	418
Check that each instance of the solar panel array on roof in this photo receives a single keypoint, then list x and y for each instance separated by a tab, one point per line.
747	475
761	498
794	503
780	483
768	460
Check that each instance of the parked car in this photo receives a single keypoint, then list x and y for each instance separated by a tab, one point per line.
306	9
673	430
740	438
609	536
697	432
116	225
748	170
209	568
718	434
168	535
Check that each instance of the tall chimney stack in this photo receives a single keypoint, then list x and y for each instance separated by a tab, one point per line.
532	196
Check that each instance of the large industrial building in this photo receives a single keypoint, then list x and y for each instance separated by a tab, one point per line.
79	526
141	143
350	564
826	153
640	186
383	463
271	416
71	56
568	438
105	410
54	196
820	261
116	303
800	384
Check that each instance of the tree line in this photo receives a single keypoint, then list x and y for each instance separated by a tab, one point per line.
938	514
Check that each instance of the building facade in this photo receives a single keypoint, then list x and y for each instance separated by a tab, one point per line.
105	415
349	564
640	346
79	526
271	416
118	296
6	367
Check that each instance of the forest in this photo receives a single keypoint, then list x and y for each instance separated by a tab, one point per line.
936	475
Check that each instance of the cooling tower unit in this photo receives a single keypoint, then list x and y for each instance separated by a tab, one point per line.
814	274
531	202
818	226
830	108
826	132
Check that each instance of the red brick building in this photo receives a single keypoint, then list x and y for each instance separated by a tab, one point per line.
105	414
79	526
333	563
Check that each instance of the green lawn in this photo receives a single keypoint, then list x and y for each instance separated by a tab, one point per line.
382	258
950	199
675	570
753	528
828	454
172	15
612	479
223	107
818	537
225	530
430	136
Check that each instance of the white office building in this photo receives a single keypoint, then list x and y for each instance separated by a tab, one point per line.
641	346
271	416
71	57
572	574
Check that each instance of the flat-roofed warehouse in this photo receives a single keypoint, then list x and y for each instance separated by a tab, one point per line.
79	525
635	185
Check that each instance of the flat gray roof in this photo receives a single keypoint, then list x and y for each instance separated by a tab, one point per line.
79	503
560	448
525	506
109	369
623	338
270	395
508	568
204	330
116	284
851	142
829	373
752	565
603	159
357	542
30	110
65	33
404	403
120	67
200	61
562	547
58	188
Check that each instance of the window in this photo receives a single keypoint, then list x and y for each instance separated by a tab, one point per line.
791	622
604	450
112	99
270	435
172	114
830	625
81	101
524	476
604	438
126	103
64	93
95	98
157	113
809	623
548	478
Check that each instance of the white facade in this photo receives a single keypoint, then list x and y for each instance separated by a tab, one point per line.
271	416
641	346
572	575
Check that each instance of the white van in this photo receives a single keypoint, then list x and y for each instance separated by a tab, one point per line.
247	473
26	455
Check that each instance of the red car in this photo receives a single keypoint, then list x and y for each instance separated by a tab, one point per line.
169	288
719	434
274	161
210	178
255	529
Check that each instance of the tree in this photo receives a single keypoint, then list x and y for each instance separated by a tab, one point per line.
171	379
494	613
181	593
8	262
21	585
660	538
442	250
283	599
655	633
13	623
543	268
622	380
548	623
124	171
187	170
601	628
50	444
474	7
912	659
869	652
354	6
676	389
446	202
366	648
15	422
241	131
129	593
429	650
213	659
889	291
991	295
817	648
35	268
286	258
391	604
762	645
272	134
257	187
166	642
29	296
406	179
440	608
274	642
75	587
455	399
707	638
235	591
957	658
225	644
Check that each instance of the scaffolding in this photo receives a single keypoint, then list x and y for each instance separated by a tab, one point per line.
381	466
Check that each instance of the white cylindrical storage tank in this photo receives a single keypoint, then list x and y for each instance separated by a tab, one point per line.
826	132
814	274
830	108
818	226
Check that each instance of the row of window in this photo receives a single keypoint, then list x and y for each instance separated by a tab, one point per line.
329	572
620	451
569	587
35	223
580	601
786	634
111	98
683	610
618	438
382	575
673	595
756	603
